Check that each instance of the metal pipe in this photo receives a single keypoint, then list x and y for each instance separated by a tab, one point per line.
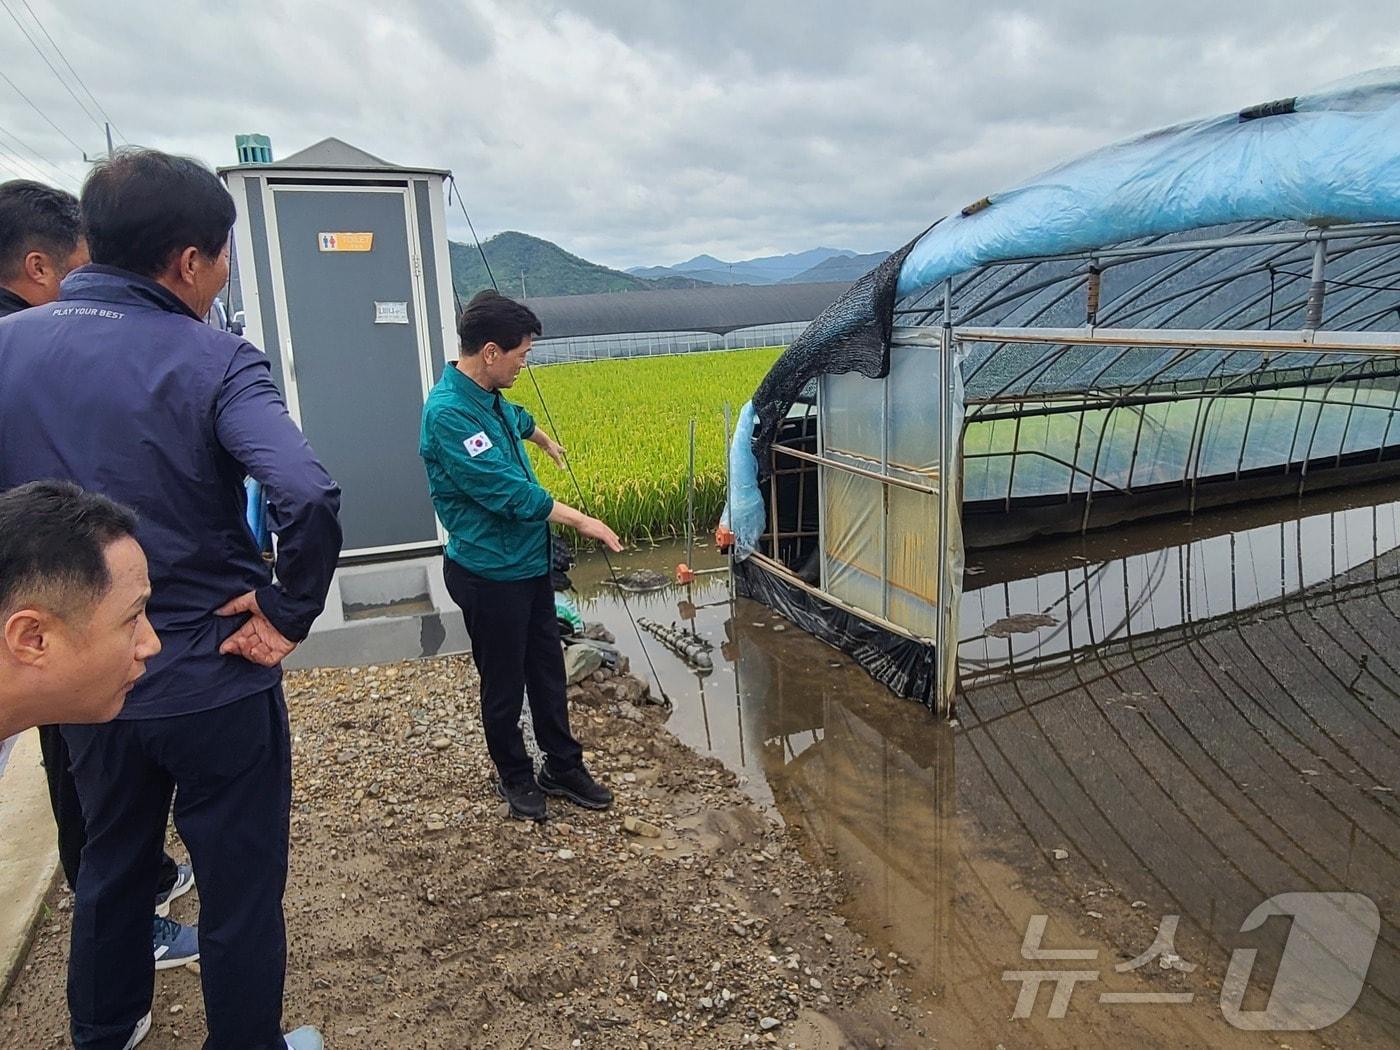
885	495
1317	423
1015	453
1370	229
773	534
1093	400
1304	342
690	499
1351	413
821	483
1318	288
873	475
729	497
943	700
1196	449
770	566
802	473
1091	309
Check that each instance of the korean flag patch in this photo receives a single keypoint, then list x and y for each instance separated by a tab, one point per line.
477	443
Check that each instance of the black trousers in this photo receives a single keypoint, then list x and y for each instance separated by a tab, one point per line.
230	772
515	644
68	812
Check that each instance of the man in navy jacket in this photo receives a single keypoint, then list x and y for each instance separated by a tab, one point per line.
120	387
41	242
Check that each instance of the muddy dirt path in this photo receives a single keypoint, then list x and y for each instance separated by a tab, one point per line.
419	917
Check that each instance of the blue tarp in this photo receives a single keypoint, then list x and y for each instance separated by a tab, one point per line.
1335	159
743	514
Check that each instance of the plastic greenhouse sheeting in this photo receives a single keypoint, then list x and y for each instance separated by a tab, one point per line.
1332	155
1131	448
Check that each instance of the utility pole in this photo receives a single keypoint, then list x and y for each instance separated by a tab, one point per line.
522	284
97	160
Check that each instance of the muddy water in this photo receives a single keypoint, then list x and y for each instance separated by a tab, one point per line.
1165	720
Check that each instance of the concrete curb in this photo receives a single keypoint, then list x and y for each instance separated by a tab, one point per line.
28	855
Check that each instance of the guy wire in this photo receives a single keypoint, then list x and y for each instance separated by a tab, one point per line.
480	251
568	468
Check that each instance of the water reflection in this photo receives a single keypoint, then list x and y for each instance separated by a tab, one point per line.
1209	719
870	782
1168	575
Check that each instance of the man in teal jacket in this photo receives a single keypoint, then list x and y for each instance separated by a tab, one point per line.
497	564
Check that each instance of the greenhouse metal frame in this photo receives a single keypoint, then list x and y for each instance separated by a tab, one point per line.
1320	377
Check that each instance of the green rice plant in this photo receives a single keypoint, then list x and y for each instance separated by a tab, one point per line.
626	425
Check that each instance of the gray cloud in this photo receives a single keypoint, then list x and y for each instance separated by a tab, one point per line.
635	132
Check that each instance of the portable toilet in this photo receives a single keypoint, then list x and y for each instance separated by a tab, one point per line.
346	284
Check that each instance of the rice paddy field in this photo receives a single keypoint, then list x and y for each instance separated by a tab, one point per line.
626	425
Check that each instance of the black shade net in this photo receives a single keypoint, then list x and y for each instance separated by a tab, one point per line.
850	335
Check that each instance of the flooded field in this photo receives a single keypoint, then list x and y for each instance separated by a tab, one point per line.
1180	720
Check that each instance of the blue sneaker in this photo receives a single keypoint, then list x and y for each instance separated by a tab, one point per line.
305	1038
184	882
175	944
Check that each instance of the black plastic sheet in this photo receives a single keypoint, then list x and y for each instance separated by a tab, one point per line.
850	335
906	667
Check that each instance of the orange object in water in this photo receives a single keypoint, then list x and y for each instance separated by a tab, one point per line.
724	537
684	573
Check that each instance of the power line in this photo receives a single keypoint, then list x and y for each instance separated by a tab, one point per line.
39	111
15	161
54	44
13	171
21	168
52	69
19	141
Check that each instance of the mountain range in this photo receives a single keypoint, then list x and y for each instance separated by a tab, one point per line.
526	266
766	269
851	267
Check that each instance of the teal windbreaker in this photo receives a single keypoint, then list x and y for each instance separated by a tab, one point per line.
483	488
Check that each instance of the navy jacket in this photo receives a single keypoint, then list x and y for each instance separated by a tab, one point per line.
120	388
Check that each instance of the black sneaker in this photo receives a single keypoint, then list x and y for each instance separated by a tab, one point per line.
524	798
576	785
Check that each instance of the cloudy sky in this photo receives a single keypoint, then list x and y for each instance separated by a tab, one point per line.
638	132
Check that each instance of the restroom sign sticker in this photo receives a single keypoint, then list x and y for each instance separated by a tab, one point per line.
345	242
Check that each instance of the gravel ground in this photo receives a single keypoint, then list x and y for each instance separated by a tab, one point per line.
420	915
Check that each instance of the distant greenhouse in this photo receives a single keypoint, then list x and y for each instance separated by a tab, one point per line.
676	321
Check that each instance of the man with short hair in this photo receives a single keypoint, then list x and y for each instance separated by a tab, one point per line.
121	387
41	242
74	636
498	558
73	590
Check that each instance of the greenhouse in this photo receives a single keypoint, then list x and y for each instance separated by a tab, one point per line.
1205	315
676	320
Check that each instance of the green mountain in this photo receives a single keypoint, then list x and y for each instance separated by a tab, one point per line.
526	266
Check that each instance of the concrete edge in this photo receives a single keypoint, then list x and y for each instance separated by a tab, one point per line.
28	856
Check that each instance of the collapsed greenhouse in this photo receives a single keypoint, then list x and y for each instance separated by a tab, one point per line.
1205	315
